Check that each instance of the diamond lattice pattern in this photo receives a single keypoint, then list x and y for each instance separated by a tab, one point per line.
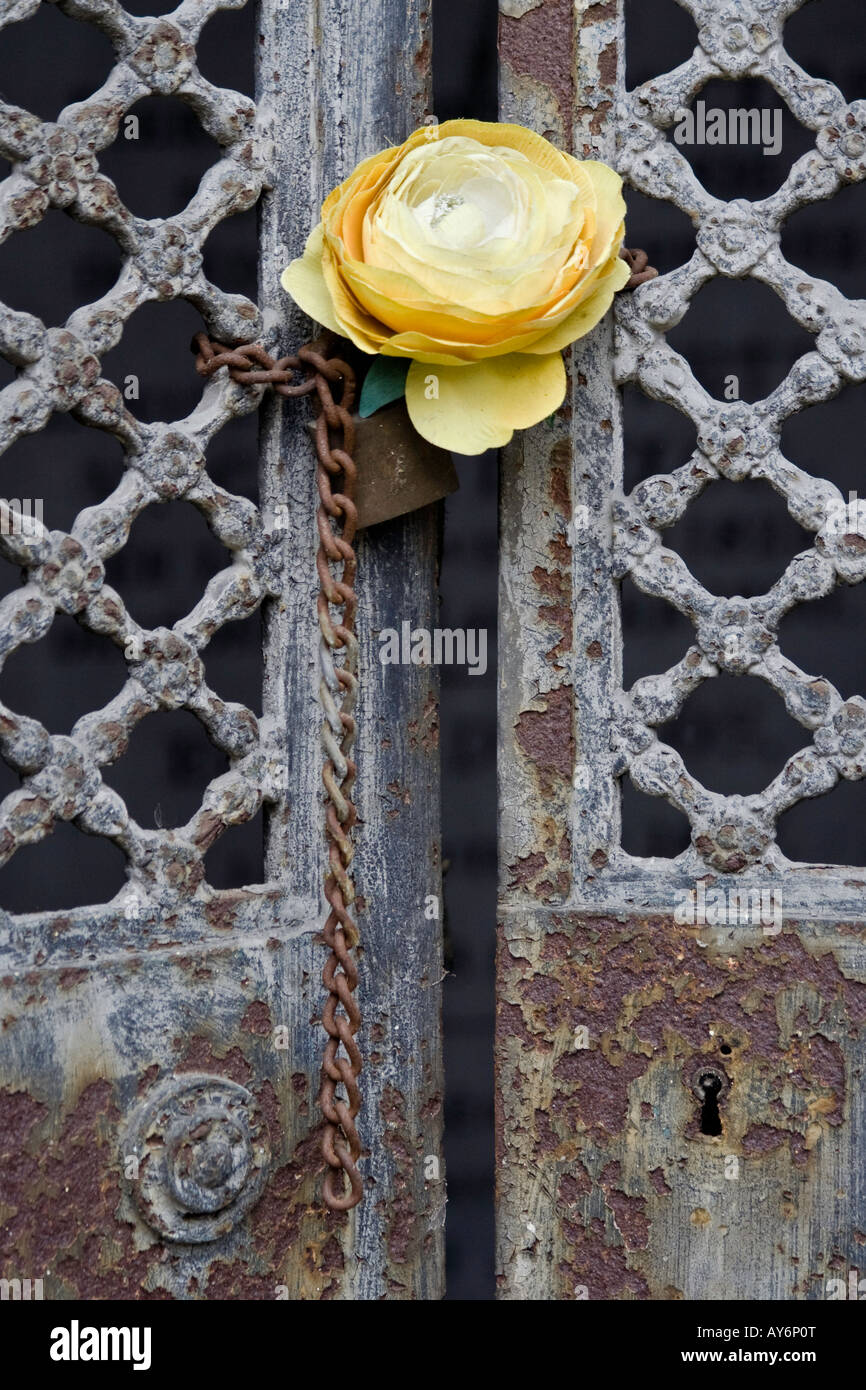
56	164
737	440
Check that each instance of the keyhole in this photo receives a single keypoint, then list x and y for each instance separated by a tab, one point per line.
709	1085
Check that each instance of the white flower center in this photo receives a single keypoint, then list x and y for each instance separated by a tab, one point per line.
482	208
443	203
476	226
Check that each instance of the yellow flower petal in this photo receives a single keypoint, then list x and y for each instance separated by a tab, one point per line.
610	207
587	314
304	280
365	331
516	137
477	407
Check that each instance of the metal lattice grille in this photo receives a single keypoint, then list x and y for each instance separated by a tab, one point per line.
735	440
55	164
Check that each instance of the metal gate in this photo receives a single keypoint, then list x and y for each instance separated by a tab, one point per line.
680	1097
161	1052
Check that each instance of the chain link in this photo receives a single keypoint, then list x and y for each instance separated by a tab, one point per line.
336	524
638	263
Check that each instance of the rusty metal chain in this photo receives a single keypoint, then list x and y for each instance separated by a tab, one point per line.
336	522
251	365
638	263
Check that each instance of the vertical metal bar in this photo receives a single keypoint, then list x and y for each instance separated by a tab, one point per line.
553	597
557	607
338	85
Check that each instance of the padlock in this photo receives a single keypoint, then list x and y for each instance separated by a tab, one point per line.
398	470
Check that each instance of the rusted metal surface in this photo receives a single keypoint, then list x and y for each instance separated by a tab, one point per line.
608	1187
175	994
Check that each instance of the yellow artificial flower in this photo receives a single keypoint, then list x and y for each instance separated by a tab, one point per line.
478	250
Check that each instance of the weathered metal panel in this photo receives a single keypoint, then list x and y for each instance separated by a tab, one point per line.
349	82
618	1022
131	1029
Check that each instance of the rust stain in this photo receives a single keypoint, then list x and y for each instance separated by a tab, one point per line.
424	732
598	118
552	583
574	1184
290	1210
61	1188
762	1139
199	1054
401	1235
431	1108
399	794
147	1078
560	550
592	1092
61	1184
221	912
660	1183
560	491
195	967
545	872
232	1279
524	870
257	1019
629	1213
596	13
540	45
587	1249
546	737
560	617
72	976
658	1008
607	66
422	59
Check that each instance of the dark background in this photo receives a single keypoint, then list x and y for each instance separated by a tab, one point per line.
737	538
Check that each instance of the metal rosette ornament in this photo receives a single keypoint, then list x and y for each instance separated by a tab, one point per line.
201	1150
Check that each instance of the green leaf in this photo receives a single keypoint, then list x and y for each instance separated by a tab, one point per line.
385	382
